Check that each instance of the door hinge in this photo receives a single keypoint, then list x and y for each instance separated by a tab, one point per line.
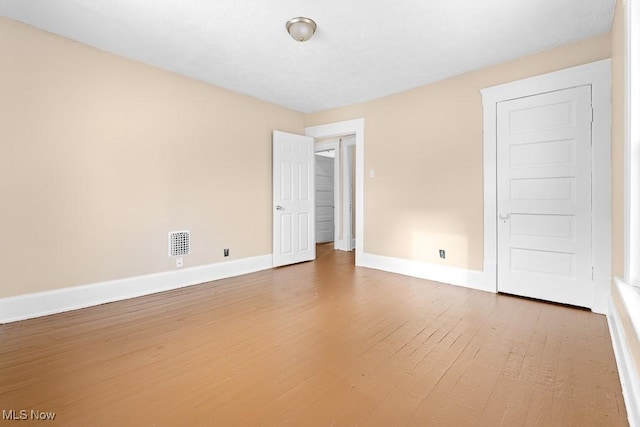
592	275
591	119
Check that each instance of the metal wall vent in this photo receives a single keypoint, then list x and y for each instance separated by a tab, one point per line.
179	243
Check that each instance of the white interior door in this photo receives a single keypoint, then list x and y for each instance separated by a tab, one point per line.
293	199
324	199
544	196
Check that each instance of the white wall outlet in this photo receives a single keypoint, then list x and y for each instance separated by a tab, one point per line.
372	173
179	262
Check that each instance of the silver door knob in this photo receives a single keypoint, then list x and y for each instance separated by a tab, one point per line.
505	216
280	208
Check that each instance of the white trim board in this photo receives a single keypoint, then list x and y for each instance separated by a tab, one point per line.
629	376
349	127
422	270
345	182
598	76
632	145
66	299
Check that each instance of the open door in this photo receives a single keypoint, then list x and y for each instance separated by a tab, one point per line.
293	199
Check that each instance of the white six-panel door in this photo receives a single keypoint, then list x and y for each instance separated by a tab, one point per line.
293	199
544	196
324	199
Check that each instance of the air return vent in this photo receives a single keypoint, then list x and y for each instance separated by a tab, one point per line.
179	243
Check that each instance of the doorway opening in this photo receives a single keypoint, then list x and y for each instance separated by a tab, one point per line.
334	131
335	191
325	203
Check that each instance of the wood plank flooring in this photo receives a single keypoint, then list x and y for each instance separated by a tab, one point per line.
320	343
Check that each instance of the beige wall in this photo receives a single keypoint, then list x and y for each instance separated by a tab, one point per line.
425	146
101	156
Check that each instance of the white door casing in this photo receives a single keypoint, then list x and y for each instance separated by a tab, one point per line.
544	196
598	76
325	228
350	127
293	199
348	187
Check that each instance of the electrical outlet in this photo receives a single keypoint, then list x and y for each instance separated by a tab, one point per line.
226	252
442	254
179	262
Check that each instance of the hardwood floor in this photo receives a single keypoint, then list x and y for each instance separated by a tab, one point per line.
320	343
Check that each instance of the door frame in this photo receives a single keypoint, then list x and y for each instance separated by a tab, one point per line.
338	129
598	75
333	145
346	194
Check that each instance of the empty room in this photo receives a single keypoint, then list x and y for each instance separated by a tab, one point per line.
332	213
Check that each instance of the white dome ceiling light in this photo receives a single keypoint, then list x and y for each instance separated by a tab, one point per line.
301	29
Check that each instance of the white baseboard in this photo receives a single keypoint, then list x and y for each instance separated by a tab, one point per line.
437	273
627	371
60	300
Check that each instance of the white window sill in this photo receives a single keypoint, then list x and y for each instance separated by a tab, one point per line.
630	296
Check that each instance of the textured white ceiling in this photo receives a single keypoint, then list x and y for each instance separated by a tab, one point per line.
363	49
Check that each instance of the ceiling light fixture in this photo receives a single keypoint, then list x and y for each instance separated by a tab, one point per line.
301	29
